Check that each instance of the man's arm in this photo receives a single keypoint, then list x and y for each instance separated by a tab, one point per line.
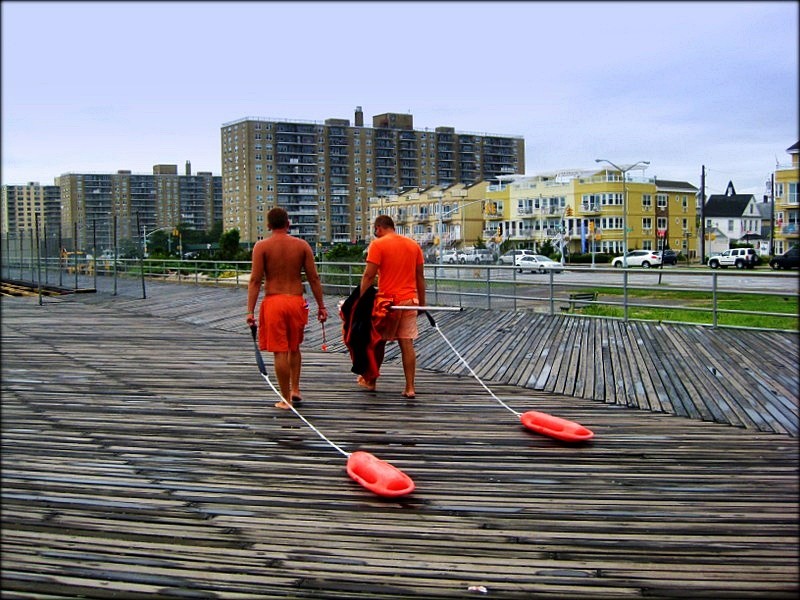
312	275
254	285
420	273
368	278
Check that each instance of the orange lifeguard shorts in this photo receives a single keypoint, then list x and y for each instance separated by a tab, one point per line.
402	326
282	322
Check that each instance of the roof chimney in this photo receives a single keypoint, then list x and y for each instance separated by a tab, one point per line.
359	117
188	168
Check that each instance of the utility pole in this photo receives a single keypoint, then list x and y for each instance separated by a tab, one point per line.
702	214
771	249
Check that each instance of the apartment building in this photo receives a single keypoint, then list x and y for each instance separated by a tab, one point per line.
96	206
325	173
21	204
437	217
589	210
787	210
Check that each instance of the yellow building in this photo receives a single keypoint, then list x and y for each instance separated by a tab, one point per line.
787	177
586	209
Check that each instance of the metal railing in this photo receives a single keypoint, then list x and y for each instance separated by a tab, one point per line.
618	293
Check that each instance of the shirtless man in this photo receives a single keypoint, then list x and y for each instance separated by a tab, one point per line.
279	262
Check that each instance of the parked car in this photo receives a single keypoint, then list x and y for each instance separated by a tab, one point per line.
479	256
638	258
510	257
452	256
788	260
668	257
538	263
740	258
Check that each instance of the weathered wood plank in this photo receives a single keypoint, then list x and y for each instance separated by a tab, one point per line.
142	458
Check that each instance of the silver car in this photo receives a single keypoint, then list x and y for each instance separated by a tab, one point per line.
538	263
510	257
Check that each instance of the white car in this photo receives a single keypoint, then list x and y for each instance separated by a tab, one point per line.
638	258
538	263
479	257
452	257
510	257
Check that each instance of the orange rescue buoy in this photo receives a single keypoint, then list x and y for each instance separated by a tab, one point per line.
378	476
562	429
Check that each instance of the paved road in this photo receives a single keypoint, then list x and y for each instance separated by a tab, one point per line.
700	278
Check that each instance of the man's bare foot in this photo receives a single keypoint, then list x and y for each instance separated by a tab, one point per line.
283	404
410	395
365	384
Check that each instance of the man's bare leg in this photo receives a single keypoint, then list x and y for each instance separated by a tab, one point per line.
295	363
283	373
379	351
409	365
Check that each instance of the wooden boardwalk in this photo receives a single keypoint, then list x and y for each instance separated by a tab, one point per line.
142	459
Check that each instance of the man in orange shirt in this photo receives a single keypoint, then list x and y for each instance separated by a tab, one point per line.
279	261
398	263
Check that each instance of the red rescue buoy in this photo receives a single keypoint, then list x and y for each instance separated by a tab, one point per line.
562	429
378	476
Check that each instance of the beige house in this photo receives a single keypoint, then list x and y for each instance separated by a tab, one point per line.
437	218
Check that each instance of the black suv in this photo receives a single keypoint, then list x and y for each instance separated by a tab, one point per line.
788	260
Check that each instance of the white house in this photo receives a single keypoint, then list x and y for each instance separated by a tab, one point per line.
734	217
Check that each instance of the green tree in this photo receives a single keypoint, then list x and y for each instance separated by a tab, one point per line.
128	248
157	244
229	245
546	248
345	253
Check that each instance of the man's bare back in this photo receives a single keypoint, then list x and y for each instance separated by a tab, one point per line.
283	259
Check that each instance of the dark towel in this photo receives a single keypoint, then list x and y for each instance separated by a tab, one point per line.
365	344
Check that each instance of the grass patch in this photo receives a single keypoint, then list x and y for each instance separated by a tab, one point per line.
747	310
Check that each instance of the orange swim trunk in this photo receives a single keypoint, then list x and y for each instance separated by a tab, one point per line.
404	325
282	322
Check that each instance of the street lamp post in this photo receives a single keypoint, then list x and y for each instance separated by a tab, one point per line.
146	235
440	228
624	201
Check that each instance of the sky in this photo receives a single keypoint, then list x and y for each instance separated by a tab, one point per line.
96	87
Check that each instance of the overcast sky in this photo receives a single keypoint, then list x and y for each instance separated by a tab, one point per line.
97	87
